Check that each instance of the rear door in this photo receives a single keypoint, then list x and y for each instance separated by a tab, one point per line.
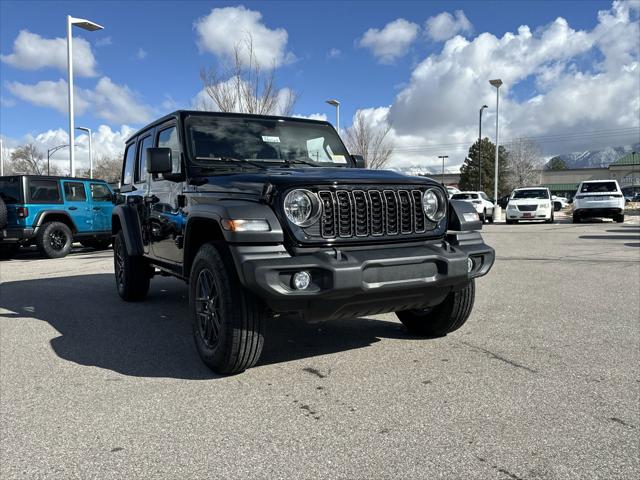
101	206
77	205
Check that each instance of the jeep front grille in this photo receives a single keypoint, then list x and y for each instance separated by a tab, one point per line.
372	212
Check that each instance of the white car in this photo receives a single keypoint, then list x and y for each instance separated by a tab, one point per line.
480	202
559	203
530	203
598	198
452	191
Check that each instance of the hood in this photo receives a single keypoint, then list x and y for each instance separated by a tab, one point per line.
282	178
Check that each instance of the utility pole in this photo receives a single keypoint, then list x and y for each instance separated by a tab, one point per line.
480	149
496	83
443	157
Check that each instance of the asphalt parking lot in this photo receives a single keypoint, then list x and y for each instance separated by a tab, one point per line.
541	383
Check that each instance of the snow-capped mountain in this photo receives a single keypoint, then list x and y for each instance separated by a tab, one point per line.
596	158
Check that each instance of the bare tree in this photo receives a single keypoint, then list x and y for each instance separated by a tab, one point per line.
244	86
106	168
525	163
28	159
369	141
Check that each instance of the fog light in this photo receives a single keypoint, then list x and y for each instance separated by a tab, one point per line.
301	280
470	264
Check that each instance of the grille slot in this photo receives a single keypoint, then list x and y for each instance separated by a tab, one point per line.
372	212
527	208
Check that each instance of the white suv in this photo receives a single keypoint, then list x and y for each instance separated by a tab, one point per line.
480	202
530	203
598	198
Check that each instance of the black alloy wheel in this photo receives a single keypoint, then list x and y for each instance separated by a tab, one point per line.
207	308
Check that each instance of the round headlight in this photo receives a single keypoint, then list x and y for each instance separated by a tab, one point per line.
302	207
434	204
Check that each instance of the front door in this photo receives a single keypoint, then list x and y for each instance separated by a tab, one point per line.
77	205
101	206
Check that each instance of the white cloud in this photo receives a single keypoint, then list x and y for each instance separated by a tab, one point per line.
313	116
557	81
141	54
103	42
392	41
334	53
444	26
225	29
109	101
33	52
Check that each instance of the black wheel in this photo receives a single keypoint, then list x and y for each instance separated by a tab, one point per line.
8	250
228	322
619	218
550	220
491	217
576	218
54	240
96	244
132	272
443	318
511	222
483	216
3	214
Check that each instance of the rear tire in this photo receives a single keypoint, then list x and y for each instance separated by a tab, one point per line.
3	214
96	244
483	216
444	318
54	240
228	322
619	218
132	272
576	218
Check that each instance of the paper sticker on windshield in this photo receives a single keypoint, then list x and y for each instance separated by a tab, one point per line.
338	159
471	217
270	139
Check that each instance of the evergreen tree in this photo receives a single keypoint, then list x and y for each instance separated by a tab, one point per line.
556	163
469	170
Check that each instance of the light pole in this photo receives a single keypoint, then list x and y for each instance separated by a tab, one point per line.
90	26
1	158
496	83
336	104
480	149
443	158
88	130
52	151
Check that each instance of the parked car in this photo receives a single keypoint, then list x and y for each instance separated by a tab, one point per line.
504	200
264	216
636	198
480	202
530	203
598	198
53	212
452	191
559	203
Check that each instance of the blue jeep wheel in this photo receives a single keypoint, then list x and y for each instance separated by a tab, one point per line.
54	240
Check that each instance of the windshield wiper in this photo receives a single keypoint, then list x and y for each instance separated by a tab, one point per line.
233	160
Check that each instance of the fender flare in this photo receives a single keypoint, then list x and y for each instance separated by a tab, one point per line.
42	215
127	218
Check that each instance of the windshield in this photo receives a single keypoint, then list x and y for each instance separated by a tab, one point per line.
465	196
537	193
259	139
598	187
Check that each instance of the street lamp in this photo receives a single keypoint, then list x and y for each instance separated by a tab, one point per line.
92	27
443	158
496	83
88	130
336	104
480	149
50	152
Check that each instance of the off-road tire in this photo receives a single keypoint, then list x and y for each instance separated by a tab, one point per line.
619	218
228	327
576	218
444	318
8	250
132	272
54	239
3	214
96	244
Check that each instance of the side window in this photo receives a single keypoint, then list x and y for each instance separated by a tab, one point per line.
74	192
100	192
141	172
129	164
168	138
44	191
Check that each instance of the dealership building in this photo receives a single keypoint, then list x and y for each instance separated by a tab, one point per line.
625	170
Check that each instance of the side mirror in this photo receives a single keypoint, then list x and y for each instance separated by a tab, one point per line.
159	160
359	161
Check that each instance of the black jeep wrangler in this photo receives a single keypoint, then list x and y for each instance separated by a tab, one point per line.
265	216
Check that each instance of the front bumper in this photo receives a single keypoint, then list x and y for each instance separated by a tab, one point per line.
347	283
16	234
531	215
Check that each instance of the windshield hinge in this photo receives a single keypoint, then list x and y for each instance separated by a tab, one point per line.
267	193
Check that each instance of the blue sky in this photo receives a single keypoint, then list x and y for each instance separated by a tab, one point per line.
150	50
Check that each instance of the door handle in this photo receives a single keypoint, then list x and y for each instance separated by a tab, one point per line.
73	208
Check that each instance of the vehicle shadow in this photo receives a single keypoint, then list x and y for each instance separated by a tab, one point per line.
153	338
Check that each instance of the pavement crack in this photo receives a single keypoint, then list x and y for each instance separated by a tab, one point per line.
500	357
621	422
314	371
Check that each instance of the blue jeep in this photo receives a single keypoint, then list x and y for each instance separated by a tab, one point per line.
53	212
